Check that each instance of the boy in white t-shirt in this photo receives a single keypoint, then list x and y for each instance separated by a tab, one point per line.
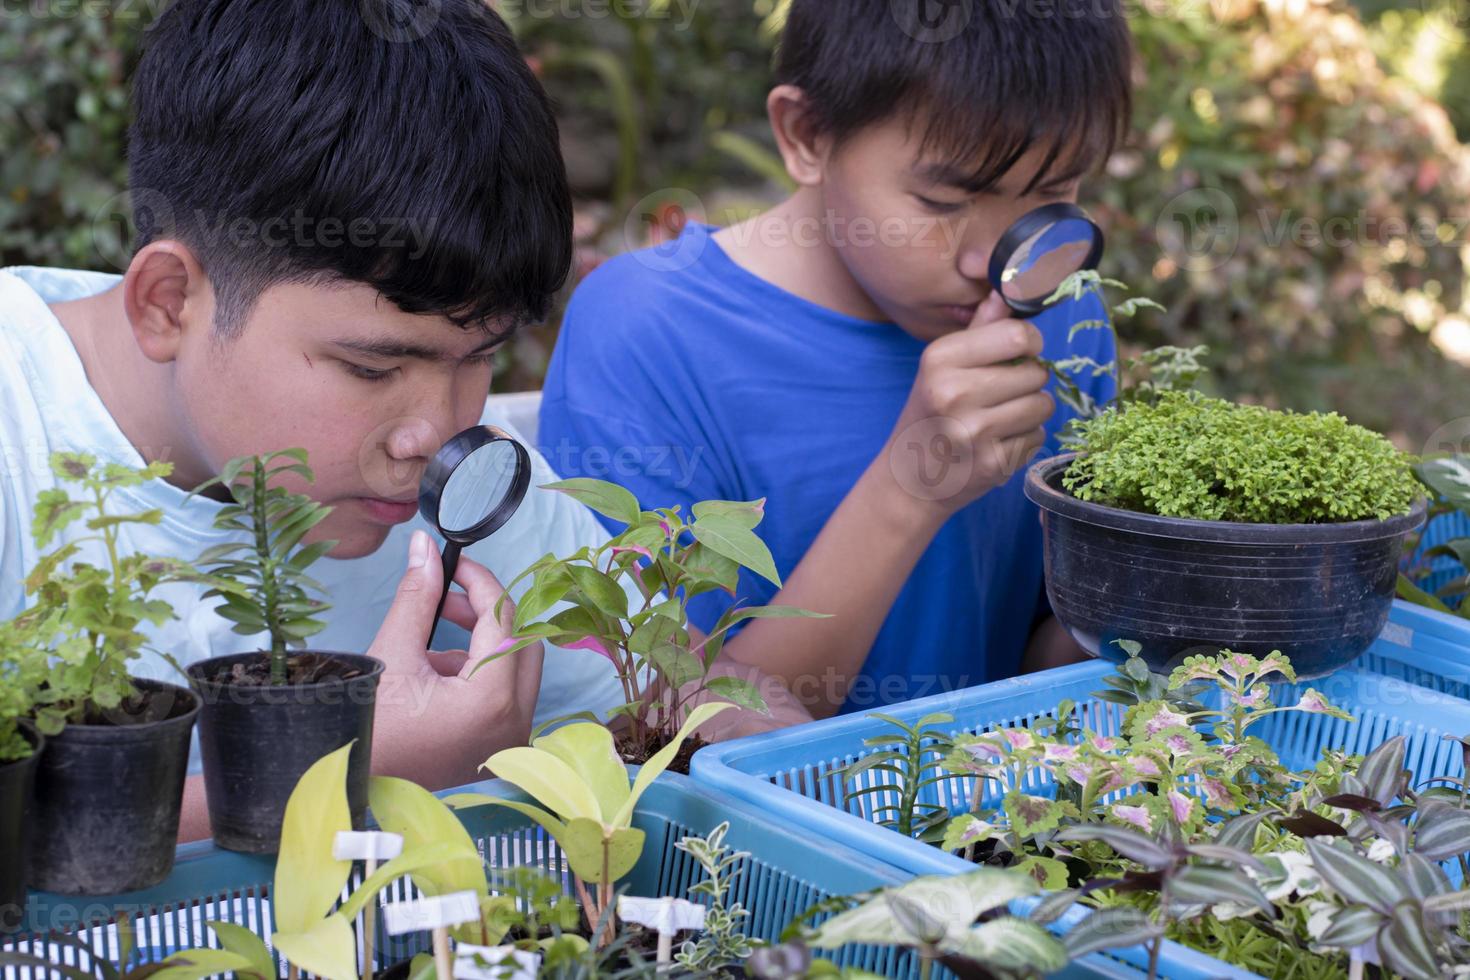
342	210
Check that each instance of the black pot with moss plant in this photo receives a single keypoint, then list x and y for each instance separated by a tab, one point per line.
1191	524
268	716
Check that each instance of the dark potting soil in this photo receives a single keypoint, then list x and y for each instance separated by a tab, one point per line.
301	668
140	708
635	753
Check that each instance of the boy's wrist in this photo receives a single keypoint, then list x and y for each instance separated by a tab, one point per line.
915	508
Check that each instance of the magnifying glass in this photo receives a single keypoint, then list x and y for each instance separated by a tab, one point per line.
472	487
1039	251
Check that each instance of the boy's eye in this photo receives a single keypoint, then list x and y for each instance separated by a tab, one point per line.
367	373
939	207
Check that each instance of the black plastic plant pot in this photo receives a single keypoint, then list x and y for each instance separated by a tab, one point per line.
1319	593
108	795
257	741
17	786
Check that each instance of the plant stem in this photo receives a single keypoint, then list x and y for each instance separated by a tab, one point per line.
926	965
268	584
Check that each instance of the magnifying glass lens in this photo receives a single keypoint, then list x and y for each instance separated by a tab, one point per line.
1038	253
473	485
477	486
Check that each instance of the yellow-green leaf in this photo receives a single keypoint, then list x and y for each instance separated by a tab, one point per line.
425	856
308	879
195	964
553	783
406	808
242	942
589	750
328	949
655	766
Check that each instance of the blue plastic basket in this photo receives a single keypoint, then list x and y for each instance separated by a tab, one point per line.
796	775
787	871
1445	527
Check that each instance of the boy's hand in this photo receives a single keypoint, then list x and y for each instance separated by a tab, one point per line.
435	723
975	415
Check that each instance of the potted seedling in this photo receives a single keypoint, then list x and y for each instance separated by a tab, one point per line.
1190	523
268	716
110	782
24	665
628	600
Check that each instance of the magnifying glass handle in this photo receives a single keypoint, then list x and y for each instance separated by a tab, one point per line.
451	563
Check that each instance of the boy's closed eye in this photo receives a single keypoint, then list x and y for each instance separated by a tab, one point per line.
367	373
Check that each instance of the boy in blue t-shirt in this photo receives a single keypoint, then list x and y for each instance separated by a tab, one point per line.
844	356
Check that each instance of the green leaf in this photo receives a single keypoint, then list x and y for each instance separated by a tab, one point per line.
403	807
661	760
1450	902
308	880
1049	873
327	948
748	514
1240	832
605	594
242	942
1442	831
1205	885
1134	846
1355	878
677	667
951	903
196	964
608	499
739	544
1407	590
1014	944
1111	928
1351	927
589	750
1382	771
1405	946
966	829
739	692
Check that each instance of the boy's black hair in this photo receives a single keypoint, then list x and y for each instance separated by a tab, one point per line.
986	80
267	130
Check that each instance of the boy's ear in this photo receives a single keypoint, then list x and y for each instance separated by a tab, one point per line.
802	149
166	295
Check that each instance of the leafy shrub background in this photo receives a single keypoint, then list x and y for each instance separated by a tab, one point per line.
1292	109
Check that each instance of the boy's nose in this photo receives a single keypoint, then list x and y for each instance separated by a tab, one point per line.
414	437
974	261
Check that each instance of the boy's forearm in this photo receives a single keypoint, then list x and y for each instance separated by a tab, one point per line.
1051	646
853	572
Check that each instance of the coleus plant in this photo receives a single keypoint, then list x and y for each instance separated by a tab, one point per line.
25	667
90	616
669	558
264	581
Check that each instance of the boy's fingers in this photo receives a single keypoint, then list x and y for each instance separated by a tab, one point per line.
404	635
483	590
994	308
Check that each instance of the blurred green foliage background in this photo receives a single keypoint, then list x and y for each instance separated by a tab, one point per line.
1296	190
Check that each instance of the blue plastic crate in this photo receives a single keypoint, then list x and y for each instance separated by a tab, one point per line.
796	775
787	871
1445	527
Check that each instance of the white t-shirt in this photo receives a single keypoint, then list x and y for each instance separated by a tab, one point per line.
47	405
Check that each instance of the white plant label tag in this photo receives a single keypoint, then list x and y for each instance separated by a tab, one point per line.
366	845
665	916
438	912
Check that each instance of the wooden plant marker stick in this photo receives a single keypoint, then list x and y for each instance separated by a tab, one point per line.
369	847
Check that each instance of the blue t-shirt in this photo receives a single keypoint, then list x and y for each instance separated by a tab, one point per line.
684	377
